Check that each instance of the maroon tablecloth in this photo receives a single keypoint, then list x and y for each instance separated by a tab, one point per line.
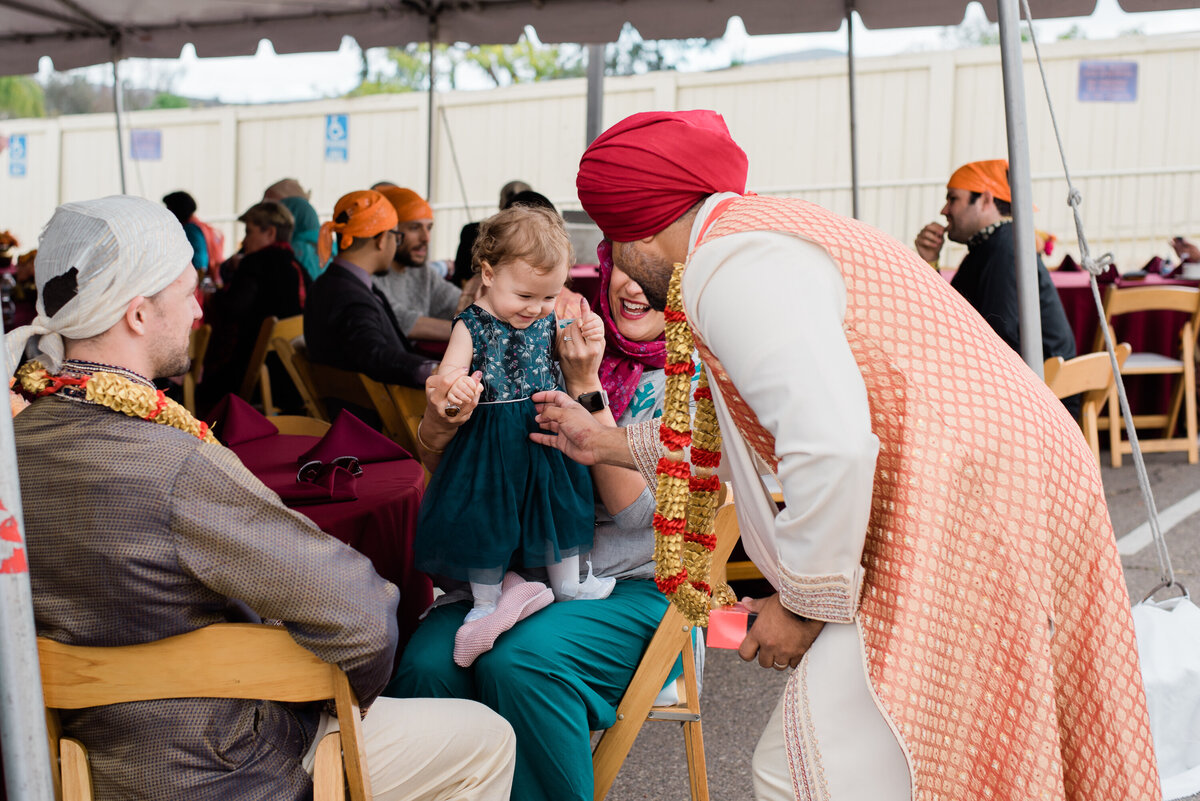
380	524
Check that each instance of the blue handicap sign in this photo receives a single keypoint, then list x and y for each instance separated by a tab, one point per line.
337	137
1108	81
17	166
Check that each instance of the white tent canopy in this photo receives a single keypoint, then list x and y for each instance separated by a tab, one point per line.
77	33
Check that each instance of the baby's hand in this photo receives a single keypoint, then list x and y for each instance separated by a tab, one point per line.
590	324
462	391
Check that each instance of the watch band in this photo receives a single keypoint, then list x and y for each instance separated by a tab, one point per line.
594	401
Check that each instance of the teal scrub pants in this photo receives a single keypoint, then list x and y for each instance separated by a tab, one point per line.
556	676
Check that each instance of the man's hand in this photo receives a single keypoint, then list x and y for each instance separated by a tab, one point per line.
929	242
578	435
778	637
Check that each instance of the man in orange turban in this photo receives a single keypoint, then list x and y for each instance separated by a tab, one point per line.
978	214
421	299
347	321
947	584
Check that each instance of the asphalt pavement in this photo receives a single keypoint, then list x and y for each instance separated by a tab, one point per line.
738	697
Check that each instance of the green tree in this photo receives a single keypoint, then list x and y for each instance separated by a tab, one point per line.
168	100
21	96
633	55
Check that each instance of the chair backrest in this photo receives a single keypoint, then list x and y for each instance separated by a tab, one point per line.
289	327
1125	300
255	372
197	348
298	424
410	406
1090	373
295	360
228	660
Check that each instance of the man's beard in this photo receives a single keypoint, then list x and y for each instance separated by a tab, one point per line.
653	276
404	258
169	363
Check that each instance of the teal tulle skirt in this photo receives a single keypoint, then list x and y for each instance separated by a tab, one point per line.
500	500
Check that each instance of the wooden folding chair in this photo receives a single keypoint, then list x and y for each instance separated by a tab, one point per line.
1125	300
228	660
256	369
292	353
1092	375
299	424
672	640
197	348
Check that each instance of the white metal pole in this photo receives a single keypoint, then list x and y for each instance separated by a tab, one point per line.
854	188
1019	178
22	714
429	119
595	91
118	110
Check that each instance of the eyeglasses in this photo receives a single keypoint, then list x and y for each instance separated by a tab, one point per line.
312	470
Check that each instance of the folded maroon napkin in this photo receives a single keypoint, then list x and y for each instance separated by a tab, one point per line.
1154	266
349	436
234	421
1068	265
333	483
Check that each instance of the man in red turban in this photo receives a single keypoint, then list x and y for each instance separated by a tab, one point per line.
978	214
947	583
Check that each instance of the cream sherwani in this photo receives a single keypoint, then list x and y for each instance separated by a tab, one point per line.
814	399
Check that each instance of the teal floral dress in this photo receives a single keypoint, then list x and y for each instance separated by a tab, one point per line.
498	499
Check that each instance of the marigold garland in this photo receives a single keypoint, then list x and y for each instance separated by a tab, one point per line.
119	394
686	501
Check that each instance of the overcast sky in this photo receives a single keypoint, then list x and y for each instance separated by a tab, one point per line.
267	77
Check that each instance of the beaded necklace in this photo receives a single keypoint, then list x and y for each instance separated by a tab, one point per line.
114	388
686	499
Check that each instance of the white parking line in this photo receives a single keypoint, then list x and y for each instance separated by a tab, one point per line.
1168	518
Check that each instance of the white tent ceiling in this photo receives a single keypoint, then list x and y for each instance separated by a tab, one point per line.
76	33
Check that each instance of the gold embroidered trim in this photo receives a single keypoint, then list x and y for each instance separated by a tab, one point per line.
646	450
833	598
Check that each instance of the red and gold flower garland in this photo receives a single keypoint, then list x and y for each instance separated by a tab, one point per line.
119	394
686	500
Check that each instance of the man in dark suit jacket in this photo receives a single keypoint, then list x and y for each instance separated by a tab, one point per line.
347	323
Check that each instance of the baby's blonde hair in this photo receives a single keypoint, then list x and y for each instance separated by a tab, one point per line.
533	234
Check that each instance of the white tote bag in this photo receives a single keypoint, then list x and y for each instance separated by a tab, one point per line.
1168	640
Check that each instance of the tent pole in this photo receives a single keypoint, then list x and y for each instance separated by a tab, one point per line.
595	91
854	188
1020	179
429	118
22	714
118	110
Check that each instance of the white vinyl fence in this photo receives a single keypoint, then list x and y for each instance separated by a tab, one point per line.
1137	161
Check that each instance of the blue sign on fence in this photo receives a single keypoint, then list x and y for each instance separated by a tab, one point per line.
145	144
17	165
1108	81
337	137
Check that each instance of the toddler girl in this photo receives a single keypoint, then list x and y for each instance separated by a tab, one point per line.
497	499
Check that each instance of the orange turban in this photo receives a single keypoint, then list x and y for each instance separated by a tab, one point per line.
983	176
362	214
408	204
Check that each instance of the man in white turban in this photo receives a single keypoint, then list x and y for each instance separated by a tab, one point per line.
140	526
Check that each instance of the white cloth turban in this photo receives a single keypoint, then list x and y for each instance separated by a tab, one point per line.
94	257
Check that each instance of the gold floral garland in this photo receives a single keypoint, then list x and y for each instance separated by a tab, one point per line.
686	500
119	394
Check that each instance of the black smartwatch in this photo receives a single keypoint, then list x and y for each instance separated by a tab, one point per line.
594	401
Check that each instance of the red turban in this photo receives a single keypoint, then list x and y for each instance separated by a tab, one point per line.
640	175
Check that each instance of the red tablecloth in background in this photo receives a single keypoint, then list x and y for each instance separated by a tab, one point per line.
380	524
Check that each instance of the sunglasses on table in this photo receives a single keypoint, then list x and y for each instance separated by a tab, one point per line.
310	470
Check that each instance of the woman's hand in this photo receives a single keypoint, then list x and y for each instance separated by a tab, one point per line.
581	349
453	388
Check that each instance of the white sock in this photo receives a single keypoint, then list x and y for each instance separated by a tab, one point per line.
486	596
564	578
